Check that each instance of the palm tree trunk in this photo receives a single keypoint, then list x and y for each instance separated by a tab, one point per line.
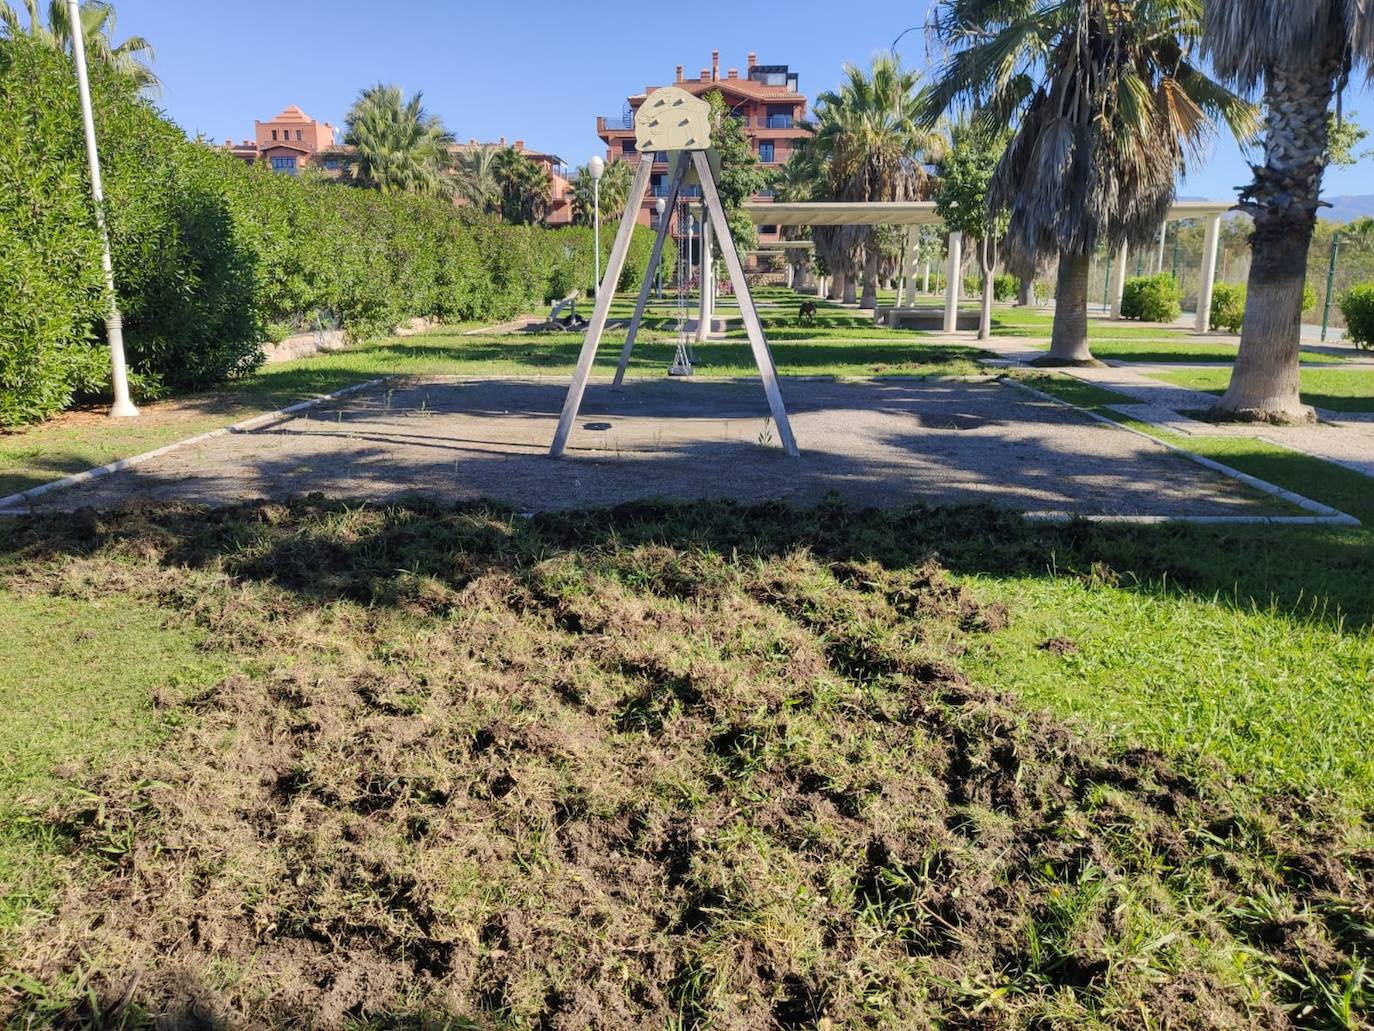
836	283
871	257
1069	339
850	274
1283	200
1023	296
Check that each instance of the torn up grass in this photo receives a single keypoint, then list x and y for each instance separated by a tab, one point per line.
705	766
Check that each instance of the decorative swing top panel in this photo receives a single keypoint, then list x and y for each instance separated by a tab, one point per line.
671	119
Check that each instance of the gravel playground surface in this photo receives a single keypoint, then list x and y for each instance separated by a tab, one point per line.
883	442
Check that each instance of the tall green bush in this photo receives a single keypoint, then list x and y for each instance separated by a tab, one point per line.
1228	307
1152	298
210	252
51	294
1357	305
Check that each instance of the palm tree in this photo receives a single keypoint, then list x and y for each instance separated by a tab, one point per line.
525	187
398	146
616	181
800	178
1109	108
128	60
1302	53
475	179
878	141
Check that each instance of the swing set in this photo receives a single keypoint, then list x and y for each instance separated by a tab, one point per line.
674	122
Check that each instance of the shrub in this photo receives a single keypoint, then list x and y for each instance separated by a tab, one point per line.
213	257
1357	305
1005	286
1152	298
1309	297
1228	307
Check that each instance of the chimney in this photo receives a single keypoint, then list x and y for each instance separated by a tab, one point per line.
503	141
519	144
706	75
228	143
679	74
733	73
753	59
715	65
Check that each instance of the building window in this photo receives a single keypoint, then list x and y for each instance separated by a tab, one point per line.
627	146
766	151
284	164
274	134
766	193
331	163
768	230
779	117
300	135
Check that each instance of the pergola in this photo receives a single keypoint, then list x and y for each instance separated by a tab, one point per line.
914	214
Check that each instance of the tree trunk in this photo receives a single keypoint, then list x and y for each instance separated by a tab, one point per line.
836	284
1283	200
850	287
1023	296
870	295
1069	339
986	260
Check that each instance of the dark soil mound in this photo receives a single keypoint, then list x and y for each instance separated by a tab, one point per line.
484	772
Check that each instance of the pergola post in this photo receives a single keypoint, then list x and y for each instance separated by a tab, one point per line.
956	259
1118	282
1209	274
909	261
704	313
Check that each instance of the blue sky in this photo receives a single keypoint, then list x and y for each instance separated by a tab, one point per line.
535	70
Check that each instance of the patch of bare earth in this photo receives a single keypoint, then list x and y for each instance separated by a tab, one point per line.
609	772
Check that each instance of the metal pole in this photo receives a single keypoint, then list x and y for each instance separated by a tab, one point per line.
1330	283
596	235
1175	269
1107	284
114	322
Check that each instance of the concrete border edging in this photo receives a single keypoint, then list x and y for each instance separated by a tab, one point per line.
1322	514
8	504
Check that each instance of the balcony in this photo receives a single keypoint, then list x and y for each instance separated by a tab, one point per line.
777	122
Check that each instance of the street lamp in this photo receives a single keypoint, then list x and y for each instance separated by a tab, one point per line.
596	167
114	322
660	206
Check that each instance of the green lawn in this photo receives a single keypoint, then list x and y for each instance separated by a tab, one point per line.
1341	390
1177	353
453	729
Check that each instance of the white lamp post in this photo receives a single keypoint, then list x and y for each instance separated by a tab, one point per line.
660	206
114	322
596	166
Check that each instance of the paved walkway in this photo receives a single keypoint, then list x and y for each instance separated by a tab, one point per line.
1344	438
881	442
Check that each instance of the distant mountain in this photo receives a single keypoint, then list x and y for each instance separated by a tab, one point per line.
1347	209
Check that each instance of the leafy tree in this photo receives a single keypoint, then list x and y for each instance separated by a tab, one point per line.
525	188
128	60
1300	54
616	181
1109	107
398	145
879	144
1346	134
961	199
741	175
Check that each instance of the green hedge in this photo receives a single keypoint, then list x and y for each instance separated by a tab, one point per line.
212	257
1152	298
